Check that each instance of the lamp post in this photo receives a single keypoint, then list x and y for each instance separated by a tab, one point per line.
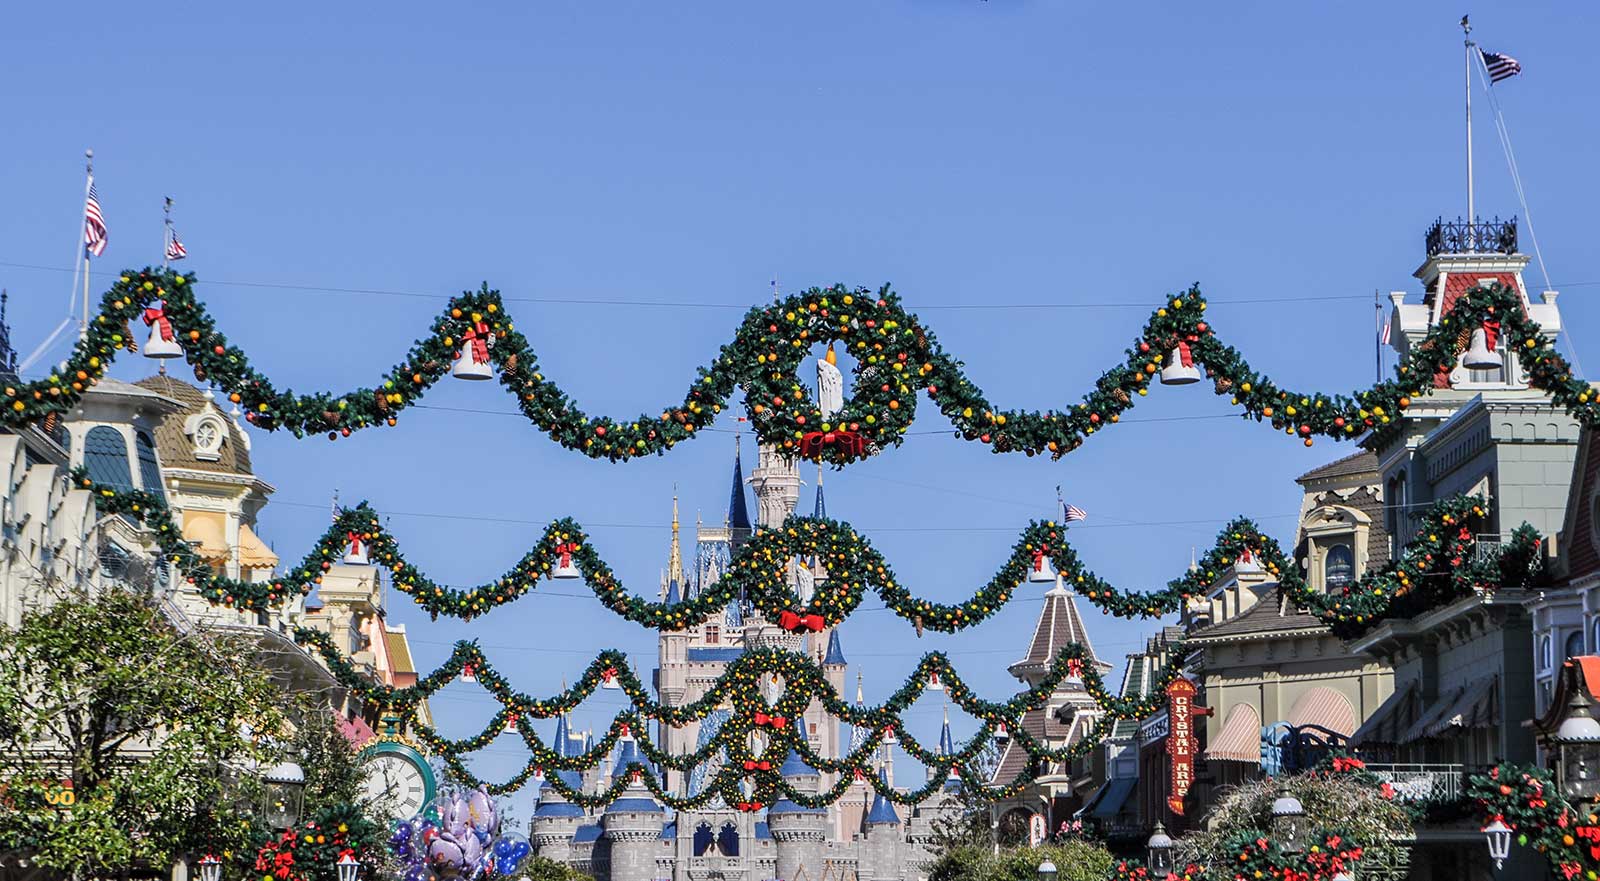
1343	876
1498	836
1288	817
1047	871
1577	739
284	787
210	868
348	866
1158	851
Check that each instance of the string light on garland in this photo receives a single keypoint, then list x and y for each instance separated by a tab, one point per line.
897	359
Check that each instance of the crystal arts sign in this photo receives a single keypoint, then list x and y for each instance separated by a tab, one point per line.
1181	745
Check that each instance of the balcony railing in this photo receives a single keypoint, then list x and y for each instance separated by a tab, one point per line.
1418	782
1472	237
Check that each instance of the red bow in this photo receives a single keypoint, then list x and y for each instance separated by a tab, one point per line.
813	442
1038	560
1185	356
791	621
609	674
355	542
565	549
157	315
1491	334
752	765
761	718
751	806
1245	556
478	335
1074	668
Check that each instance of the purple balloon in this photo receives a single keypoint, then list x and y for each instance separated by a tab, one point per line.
446	850
482	813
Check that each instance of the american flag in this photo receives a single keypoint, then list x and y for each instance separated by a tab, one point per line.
1072	513
1383	335
1500	67
94	224
175	248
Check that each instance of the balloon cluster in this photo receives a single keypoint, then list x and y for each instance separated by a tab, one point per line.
457	837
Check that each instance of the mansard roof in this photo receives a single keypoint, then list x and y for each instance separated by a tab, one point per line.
1059	625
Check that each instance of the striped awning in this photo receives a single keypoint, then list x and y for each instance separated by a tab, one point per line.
1240	738
253	552
1391	719
1471	706
1326	708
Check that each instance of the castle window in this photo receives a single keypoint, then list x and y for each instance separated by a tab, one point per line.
1574	646
703	839
1339	567
149	470
105	455
713	633
1546	654
728	841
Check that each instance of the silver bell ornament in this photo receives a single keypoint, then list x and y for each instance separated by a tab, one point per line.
1178	373
1479	355
356	553
158	347
1041	571
1246	562
469	368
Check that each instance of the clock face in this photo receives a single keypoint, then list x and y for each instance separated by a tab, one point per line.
397	784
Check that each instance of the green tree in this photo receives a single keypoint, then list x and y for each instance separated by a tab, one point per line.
1075	860
148	727
537	868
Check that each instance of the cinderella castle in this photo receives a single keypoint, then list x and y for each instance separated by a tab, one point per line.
861	837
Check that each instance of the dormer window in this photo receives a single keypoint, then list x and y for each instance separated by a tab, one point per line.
207	435
1339	568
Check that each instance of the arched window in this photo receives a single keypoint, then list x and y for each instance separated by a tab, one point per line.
1574	646
105	454
728	841
1339	567
703	839
1546	659
149	471
1595	645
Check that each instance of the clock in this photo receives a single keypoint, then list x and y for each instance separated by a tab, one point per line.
398	779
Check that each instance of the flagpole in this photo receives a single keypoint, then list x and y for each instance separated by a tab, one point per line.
1377	337
88	184
166	234
1466	28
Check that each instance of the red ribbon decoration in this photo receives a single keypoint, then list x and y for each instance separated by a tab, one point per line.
478	335
609	674
565	549
1038	560
1245	556
761	718
1491	333
812	443
355	542
794	622
1184	355
157	316
1075	668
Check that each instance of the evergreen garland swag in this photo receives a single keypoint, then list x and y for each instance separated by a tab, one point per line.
897	358
1442	564
758	734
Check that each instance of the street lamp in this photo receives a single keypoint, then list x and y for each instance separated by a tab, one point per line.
1578	740
1047	870
348	866
210	868
1498	836
1158	850
1343	876
1288	817
285	784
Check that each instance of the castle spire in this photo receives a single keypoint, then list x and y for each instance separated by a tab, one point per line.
675	557
822	507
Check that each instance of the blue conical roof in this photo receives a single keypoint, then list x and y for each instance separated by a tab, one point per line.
821	509
672	592
882	811
560	744
793	764
947	743
738	511
835	653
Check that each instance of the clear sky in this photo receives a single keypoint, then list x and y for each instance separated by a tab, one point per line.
1052	168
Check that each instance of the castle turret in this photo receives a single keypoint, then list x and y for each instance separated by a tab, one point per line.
776	480
631	824
799	831
881	858
555	819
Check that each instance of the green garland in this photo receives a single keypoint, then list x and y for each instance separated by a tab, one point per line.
1441	565
753	720
1329	853
1529	801
896	359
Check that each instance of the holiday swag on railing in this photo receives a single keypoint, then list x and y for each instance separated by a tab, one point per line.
760	731
896	359
1441	564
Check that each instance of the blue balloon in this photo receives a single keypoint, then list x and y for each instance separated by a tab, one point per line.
520	850
503	848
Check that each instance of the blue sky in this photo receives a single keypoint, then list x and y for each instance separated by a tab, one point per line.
1052	169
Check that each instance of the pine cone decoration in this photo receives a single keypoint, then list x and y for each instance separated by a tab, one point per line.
128	342
1224	385
330	416
511	361
1463	339
50	419
383	402
1121	395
